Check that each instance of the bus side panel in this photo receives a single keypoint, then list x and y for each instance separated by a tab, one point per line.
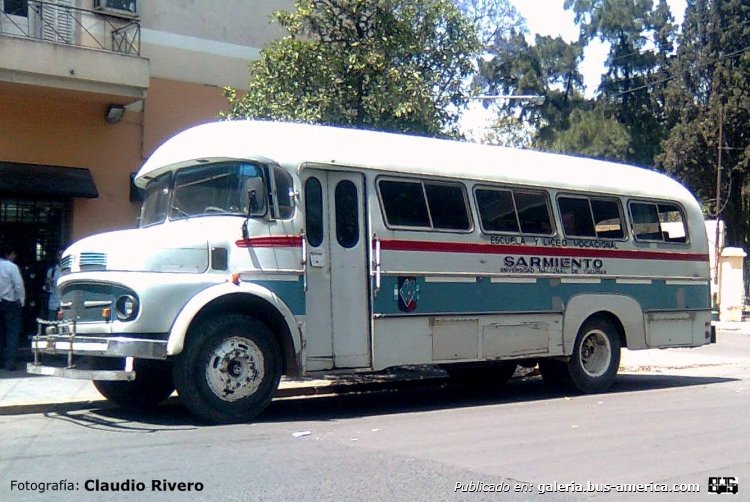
678	329
401	340
444	339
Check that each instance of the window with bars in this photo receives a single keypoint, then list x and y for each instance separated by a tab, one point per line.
33	226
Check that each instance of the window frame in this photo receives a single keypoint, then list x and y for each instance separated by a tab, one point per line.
657	203
311	209
272	185
554	231
421	182
624	223
338	191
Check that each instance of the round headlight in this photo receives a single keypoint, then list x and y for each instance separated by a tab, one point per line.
126	308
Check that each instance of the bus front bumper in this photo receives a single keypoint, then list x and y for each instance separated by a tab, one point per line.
82	352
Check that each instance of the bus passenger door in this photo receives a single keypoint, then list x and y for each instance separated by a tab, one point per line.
337	316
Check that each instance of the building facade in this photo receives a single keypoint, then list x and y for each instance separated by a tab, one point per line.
88	89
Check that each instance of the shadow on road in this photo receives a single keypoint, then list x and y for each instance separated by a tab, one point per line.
448	396
429	395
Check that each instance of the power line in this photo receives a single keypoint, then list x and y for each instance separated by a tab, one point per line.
667	79
653	51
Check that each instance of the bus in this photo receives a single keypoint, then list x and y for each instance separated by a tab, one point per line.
267	249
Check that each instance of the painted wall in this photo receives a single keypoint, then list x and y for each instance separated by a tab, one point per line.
173	106
67	128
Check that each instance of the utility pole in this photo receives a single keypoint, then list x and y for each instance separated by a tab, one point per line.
717	248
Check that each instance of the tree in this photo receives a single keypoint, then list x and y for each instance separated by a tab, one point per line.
493	20
396	65
640	37
710	86
548	69
593	133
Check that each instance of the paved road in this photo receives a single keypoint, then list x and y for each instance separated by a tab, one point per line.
676	416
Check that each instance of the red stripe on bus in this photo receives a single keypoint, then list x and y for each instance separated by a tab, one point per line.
281	241
460	247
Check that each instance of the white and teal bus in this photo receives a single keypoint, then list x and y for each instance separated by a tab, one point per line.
267	249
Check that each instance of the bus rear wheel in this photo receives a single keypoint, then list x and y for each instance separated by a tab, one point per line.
555	374
596	356
229	369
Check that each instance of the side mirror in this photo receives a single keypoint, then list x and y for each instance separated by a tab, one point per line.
254	208
256	197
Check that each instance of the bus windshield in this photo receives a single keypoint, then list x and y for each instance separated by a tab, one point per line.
208	189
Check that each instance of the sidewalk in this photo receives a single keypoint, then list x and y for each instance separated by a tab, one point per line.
22	393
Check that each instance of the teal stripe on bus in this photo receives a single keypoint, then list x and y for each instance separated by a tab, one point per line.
544	295
292	293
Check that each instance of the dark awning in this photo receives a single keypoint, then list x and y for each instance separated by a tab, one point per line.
32	179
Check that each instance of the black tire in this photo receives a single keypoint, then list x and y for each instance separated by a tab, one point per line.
229	369
555	374
483	377
596	356
152	385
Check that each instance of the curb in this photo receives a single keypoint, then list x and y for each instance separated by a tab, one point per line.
63	407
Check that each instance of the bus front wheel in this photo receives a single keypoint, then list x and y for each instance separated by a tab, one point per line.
596	356
152	385
229	369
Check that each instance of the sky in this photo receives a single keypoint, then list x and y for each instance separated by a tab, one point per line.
548	17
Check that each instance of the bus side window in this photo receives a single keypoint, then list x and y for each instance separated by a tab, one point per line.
533	212
284	193
447	205
575	213
591	217
347	214
314	211
513	211
404	203
607	219
496	210
672	224
658	222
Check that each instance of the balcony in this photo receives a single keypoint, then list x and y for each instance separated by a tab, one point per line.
53	44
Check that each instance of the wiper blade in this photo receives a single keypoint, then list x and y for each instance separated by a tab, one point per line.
183	213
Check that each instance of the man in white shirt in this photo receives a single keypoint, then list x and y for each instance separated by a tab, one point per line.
12	298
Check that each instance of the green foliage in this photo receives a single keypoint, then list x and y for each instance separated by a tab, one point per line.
549	69
593	134
627	89
398	65
709	84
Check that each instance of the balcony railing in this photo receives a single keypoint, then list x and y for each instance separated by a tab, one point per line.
64	24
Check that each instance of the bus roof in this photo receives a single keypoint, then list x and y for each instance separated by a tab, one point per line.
291	145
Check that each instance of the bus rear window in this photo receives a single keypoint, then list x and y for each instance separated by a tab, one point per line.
653	222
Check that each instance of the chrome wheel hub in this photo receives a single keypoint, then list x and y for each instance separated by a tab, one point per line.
235	369
595	353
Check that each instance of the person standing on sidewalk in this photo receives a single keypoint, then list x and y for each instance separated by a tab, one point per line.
50	286
12	298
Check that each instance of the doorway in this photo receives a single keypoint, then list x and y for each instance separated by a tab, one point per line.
37	228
